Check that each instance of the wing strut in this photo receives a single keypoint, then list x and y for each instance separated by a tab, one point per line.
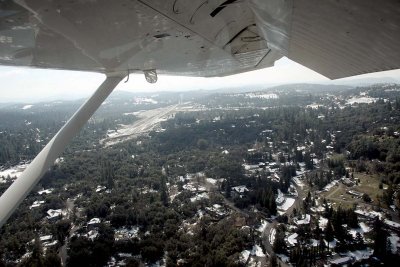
21	187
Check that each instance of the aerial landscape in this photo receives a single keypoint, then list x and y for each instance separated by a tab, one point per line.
291	175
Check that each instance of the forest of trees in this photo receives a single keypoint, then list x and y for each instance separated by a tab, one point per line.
139	174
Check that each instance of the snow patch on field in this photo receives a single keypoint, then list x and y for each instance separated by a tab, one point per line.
394	243
14	171
199	197
257	251
361	100
330	185
27	107
211	180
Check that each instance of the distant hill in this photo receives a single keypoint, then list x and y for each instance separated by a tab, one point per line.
309	87
364	81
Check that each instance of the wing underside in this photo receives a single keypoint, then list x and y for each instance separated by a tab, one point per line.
201	37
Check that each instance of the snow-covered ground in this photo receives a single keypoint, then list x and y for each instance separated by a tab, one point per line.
211	180
264	96
193	188
286	205
360	254
365	228
27	107
297	181
257	251
322	222
198	197
370	214
330	185
244	255
394	243
125	233
14	171
361	100
280	198
263	225
304	220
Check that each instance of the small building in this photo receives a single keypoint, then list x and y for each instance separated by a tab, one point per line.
36	204
392	225
292	239
348	182
305	219
54	214
100	188
46	191
94	222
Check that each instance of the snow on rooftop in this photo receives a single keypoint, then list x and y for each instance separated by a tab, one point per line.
286	205
263	225
240	189
211	180
46	238
314	106
100	188
292	239
193	188
304	220
392	223
46	191
125	233
322	222
53	214
369	214
244	255
330	185
94	221
36	204
257	251
280	198
198	197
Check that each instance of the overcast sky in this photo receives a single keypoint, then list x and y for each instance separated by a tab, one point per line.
32	85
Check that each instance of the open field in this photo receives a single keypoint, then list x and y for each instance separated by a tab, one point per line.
369	184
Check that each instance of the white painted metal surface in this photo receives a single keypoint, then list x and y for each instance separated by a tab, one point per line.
201	37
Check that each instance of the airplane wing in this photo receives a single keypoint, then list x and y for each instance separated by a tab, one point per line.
337	38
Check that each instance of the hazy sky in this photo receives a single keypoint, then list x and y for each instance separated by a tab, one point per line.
31	85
